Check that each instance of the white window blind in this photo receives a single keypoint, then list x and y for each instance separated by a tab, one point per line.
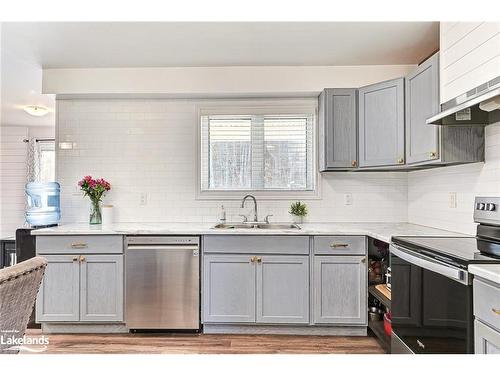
257	152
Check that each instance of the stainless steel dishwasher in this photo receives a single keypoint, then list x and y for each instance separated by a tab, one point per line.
162	283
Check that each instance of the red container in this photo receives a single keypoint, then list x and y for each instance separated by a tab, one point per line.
388	323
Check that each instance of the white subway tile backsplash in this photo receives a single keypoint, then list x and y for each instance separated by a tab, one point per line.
428	190
149	146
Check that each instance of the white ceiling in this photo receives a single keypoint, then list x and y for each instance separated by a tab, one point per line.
137	44
29	47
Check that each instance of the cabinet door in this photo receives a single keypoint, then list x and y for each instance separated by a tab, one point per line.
101	288
422	102
486	339
283	289
228	289
340	290
381	124
338	129
59	296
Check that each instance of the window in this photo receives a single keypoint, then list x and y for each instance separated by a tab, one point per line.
263	152
46	156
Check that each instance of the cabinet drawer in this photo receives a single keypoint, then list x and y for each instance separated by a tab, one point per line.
346	245
487	303
79	244
238	244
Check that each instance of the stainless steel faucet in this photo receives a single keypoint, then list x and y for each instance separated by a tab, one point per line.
255	219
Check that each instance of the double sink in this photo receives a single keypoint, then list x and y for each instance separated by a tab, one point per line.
255	224
276	226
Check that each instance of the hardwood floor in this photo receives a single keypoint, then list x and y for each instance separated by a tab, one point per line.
178	343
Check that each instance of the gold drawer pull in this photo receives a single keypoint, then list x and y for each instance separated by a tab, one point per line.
79	245
401	161
75	259
354	163
496	311
82	259
253	259
259	260
335	245
433	155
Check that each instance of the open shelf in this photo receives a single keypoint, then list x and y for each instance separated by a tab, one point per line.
380	296
377	327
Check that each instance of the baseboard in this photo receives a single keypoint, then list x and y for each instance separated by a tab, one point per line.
83	328
283	330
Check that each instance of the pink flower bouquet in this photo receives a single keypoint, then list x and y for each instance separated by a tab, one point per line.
95	190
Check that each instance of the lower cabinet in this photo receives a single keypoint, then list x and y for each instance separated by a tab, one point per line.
283	289
86	288
256	289
487	340
340	290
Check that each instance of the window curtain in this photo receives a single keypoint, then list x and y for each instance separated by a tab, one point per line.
33	167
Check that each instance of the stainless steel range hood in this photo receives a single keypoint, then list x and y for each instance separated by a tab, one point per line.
480	106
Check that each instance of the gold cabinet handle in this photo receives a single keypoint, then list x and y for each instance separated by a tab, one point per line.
363	260
75	259
82	259
253	259
432	154
79	245
354	163
259	260
496	311
336	245
401	161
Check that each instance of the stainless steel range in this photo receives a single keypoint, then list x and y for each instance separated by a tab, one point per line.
432	288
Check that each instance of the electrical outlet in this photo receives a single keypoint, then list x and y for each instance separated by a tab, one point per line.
453	200
143	199
348	199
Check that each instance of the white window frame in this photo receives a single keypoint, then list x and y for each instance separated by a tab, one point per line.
290	106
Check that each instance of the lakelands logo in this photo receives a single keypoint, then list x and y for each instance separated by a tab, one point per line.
12	341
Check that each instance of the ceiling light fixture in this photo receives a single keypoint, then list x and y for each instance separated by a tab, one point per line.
36	110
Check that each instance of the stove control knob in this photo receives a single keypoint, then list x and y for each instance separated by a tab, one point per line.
490	207
480	206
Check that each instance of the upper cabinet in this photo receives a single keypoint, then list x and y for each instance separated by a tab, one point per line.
470	56
422	102
381	124
338	144
432	144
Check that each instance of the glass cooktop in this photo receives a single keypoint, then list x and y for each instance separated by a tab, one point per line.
464	250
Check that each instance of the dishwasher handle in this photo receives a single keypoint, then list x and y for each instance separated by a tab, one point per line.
163	247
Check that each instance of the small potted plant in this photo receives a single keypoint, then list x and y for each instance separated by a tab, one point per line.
95	190
298	210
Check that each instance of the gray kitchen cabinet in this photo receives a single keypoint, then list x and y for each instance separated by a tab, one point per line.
59	295
431	144
382	124
338	144
101	288
228	289
486	339
340	290
422	102
282	289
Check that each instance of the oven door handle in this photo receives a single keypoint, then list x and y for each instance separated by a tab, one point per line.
431	265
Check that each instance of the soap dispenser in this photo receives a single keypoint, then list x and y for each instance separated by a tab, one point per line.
222	214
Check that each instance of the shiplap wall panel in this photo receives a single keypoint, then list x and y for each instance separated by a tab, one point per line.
13	154
470	56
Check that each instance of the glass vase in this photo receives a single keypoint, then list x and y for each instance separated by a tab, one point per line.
95	213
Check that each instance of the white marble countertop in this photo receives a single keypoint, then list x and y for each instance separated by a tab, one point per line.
380	231
489	272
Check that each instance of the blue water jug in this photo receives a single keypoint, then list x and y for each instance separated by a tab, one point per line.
44	203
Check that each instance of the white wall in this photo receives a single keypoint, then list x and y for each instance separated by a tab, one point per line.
149	146
428	190
13	173
216	81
